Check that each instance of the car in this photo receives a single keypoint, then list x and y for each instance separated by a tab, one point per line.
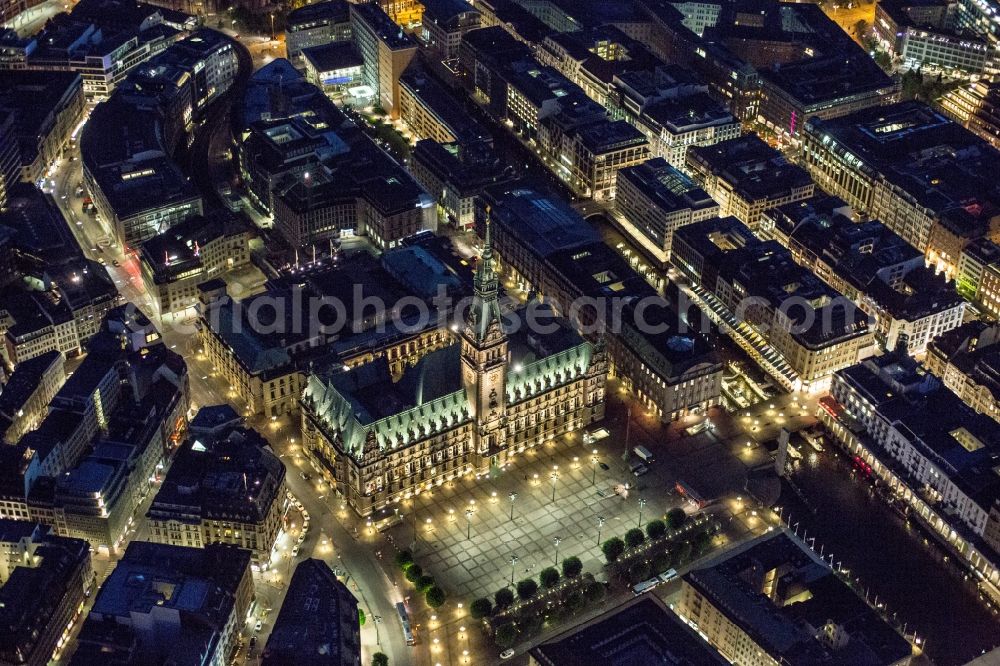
603	466
507	654
101	261
304	476
253	641
116	263
295	551
260	623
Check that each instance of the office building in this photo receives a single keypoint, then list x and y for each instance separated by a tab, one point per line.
976	107
267	368
10	157
169	604
456	174
646	631
884	275
753	285
198	249
385	50
920	35
664	353
24	399
44	582
771	600
48	106
931	450
317	24
746	177
443	24
967	361
334	68
317	173
224	487
912	168
978	276
317	623
654	199
673	125
431	112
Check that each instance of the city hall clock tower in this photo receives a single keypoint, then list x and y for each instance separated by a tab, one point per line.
485	360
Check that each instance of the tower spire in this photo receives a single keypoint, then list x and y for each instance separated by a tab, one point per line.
485	309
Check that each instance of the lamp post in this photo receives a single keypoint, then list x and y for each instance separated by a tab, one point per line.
513	563
272	27
554	475
593	463
513	496
600	524
557	541
468	522
642	503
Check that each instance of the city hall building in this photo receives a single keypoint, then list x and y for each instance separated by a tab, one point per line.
461	409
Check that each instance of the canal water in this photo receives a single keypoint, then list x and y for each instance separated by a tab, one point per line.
836	504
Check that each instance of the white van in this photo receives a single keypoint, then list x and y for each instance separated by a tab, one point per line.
644	453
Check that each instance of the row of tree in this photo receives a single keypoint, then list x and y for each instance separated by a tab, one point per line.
413	572
614	547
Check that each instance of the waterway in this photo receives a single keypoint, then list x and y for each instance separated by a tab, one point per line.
894	560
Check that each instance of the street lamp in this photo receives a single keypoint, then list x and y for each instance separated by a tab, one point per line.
600	524
513	563
468	521
272	27
513	496
642	503
557	541
593	463
554	475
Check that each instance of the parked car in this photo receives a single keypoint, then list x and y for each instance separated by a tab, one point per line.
507	654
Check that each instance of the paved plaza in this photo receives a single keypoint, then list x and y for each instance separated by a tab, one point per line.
464	535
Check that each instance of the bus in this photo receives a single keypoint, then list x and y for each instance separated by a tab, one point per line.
405	620
645	586
667	575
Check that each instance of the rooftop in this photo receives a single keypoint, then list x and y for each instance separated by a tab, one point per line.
443	106
641	631
783	596
230	476
318	621
750	166
943	166
318	13
668	188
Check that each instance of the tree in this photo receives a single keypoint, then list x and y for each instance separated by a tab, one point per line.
571	567
380	659
434	596
549	577
404	559
504	597
480	608
594	591
361	617
860	27
656	528
613	548
506	635
634	537
663	561
414	572
676	518
639	571
526	589
425	583
574	602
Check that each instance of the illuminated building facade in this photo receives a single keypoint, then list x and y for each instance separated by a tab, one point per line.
463	409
